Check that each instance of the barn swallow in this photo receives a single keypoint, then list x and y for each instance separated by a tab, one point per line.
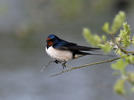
62	51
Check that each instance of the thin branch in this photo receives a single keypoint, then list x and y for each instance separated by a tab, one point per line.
86	65
131	52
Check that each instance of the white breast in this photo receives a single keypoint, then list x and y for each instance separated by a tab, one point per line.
60	55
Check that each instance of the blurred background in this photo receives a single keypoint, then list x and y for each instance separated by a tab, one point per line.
24	26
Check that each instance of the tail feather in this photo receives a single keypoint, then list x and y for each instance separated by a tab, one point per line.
83	48
80	54
86	53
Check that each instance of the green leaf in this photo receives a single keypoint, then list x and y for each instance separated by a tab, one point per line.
125	35
126	28
105	47
131	78
105	27
104	38
120	65
133	40
118	21
119	87
92	39
130	59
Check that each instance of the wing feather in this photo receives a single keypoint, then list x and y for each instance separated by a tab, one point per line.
64	45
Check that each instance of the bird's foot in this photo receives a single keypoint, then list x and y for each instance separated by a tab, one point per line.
56	61
64	65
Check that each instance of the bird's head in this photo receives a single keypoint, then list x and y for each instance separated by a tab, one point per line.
51	40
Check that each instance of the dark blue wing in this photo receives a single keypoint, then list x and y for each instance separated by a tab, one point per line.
64	45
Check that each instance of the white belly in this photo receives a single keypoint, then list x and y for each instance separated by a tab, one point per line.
60	55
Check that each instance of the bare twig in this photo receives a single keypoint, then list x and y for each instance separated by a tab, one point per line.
86	65
43	67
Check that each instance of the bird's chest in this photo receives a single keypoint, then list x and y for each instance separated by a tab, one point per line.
60	55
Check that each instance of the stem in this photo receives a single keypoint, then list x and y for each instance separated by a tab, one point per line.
86	65
132	52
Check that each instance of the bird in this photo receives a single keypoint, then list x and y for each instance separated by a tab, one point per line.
62	51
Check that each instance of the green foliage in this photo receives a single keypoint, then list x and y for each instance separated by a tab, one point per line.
96	40
106	27
130	59
117	22
131	77
105	47
119	87
120	65
119	44
125	35
92	39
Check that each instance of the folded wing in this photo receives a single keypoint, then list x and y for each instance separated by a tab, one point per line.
64	45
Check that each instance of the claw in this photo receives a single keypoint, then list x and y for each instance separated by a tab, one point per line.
64	65
56	61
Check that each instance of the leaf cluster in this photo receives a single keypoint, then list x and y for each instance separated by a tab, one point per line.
120	42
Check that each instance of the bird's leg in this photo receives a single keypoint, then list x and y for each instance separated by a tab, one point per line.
64	65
